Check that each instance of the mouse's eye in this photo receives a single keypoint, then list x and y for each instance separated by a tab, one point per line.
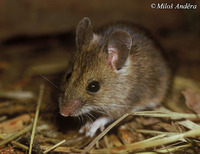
68	76
93	86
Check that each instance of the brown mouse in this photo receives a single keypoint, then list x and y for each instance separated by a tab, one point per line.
115	70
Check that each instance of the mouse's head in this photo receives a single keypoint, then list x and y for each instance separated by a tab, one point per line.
96	81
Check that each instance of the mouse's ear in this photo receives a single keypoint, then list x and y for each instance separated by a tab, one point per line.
84	33
119	46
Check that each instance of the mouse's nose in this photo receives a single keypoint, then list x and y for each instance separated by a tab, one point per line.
65	111
70	108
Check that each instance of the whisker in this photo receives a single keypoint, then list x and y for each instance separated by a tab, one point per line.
53	106
82	121
48	80
101	110
103	113
88	115
119	105
76	118
85	115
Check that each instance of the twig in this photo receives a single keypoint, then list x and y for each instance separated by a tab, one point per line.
19	145
7	140
146	153
61	149
15	143
155	132
17	94
143	145
3	118
171	149
56	145
41	93
189	124
163	114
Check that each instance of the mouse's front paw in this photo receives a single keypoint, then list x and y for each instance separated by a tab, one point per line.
90	128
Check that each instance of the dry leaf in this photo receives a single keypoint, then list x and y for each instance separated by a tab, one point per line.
114	139
128	137
168	127
149	121
14	124
192	100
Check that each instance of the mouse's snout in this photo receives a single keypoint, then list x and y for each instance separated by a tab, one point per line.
70	108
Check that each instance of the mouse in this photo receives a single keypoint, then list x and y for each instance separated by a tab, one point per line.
117	69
